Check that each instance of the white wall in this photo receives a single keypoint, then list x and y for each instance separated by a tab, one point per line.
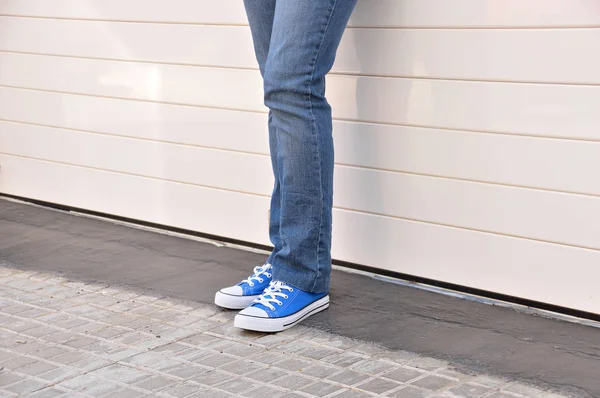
467	131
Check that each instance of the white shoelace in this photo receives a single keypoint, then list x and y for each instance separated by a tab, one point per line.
271	293
257	276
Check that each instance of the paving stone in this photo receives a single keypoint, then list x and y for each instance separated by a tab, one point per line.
49	392
268	357
320	371
186	371
127	393
265	375
87	328
60	337
345	359
242	367
25	386
318	352
79	382
36	368
294	365
379	385
40	331
80	342
238	386
348	377
490	381
121	373
16	362
109	332
373	367
119	354
217	360
51	352
263	392
210	393
505	395
352	394
9	378
101	387
293	382
69	357
21	325
89	363
428	364
433	383
59	374
182	389
200	339
156	383
523	389
403	374
455	374
241	350
470	390
409	392
212	377
171	349
321	388
29	347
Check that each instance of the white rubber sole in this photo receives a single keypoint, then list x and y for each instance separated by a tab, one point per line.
231	302
271	325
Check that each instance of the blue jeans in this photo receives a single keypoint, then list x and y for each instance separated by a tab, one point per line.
295	43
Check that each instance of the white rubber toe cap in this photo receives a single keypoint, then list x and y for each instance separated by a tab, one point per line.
233	290
254	311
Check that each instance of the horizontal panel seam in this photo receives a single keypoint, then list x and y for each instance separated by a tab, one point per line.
351	25
336	207
335	72
339	164
346	120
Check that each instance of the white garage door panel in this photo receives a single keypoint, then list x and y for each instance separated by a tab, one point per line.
543	215
209	87
569	219
536	109
474	13
474	54
553	164
179	163
217	128
186	206
518	108
409	13
559	56
464	257
173	43
545	163
178	11
522	268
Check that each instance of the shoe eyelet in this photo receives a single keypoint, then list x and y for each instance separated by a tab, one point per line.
291	290
251	284
285	297
261	280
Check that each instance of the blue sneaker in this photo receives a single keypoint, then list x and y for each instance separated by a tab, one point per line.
280	307
244	293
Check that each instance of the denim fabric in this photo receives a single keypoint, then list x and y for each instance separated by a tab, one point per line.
295	43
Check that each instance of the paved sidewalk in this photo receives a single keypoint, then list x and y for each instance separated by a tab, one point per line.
68	338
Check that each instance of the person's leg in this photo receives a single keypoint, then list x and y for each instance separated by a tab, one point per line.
260	15
304	41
